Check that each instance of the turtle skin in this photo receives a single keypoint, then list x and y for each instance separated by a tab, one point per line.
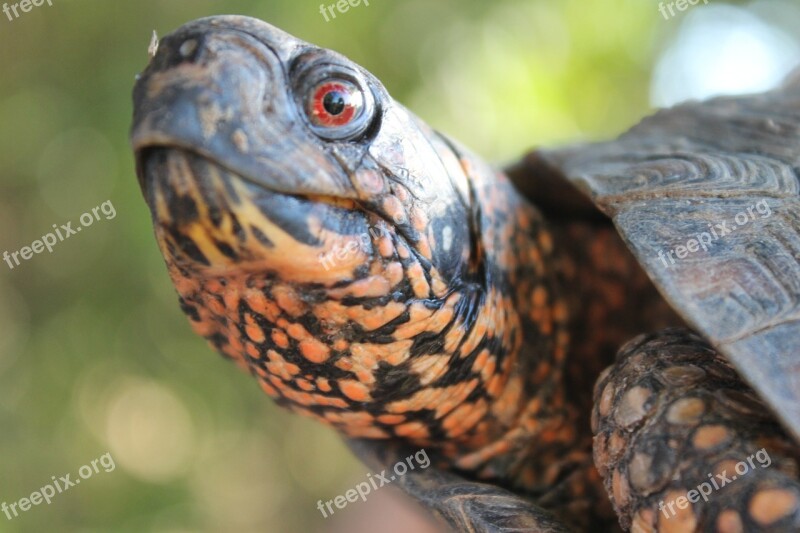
376	276
684	445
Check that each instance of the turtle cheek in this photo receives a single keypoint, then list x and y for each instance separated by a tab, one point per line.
340	250
451	250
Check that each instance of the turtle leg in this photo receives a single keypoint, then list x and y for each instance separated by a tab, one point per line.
683	444
466	506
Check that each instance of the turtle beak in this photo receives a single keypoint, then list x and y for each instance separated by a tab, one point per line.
221	93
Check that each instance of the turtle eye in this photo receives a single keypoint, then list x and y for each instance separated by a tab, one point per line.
334	103
337	103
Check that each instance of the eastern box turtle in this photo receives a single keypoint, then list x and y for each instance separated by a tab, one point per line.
375	275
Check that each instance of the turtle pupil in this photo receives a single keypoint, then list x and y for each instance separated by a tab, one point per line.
334	102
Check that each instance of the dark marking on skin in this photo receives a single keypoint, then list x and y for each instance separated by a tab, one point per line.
183	210
394	382
382	339
463	370
295	225
475	395
361	272
238	231
312	325
316	294
215	215
218	340
231	193
190	310
427	343
226	249
433	305
353	301
389	328
188	247
260	237
205	181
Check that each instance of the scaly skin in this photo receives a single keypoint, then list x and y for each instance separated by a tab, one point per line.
383	355
377	277
671	416
390	285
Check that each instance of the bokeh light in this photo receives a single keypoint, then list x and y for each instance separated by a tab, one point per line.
723	50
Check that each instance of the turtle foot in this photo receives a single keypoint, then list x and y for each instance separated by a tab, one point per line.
684	444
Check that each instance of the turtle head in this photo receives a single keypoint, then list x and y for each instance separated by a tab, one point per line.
258	152
320	235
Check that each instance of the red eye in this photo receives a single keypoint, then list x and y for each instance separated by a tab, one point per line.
335	103
338	103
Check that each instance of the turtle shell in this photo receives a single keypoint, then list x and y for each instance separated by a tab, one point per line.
705	195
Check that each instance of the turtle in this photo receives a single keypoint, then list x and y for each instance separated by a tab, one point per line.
599	337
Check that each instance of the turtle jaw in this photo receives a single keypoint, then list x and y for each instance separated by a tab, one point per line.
217	223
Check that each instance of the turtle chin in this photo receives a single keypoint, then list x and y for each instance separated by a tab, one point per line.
213	221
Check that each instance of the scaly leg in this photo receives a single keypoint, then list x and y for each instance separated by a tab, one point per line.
683	444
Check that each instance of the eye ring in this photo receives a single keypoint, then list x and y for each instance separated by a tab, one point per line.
335	101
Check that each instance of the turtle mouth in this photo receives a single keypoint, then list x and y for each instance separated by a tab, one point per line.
176	182
193	202
207	216
146	149
149	175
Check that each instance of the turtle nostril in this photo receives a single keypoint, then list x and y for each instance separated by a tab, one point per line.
174	51
188	48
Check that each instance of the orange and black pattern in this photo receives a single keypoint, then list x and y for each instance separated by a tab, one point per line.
398	288
394	350
377	277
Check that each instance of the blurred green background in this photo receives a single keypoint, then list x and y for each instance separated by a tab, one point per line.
95	355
